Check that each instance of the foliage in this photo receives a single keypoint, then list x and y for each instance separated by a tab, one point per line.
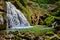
58	3
49	20
40	30
26	10
45	1
44	6
24	2
56	12
40	1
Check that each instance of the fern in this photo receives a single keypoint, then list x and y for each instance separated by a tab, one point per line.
49	20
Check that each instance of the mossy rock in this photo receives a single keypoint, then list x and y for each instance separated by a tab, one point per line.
55	38
7	37
50	33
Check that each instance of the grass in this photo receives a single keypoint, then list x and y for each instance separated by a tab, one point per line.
36	29
40	30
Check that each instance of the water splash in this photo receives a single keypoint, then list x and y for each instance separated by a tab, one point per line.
15	18
54	24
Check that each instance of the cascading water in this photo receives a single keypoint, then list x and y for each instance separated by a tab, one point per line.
15	18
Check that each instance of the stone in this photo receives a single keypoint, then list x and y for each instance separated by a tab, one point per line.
1	20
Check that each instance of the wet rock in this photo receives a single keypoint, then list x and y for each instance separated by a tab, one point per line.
1	19
7	37
15	33
2	15
47	38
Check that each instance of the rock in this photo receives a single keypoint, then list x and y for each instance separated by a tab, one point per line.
55	38
1	38
7	37
2	15
1	20
2	25
57	28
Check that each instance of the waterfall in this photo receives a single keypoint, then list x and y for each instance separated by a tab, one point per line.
15	18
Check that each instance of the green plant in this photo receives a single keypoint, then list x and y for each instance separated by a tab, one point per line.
40	1
49	20
56	12
58	3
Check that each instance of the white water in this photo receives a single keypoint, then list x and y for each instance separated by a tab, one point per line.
15	18
54	24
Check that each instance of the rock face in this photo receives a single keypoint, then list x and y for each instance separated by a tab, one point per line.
2	15
1	19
